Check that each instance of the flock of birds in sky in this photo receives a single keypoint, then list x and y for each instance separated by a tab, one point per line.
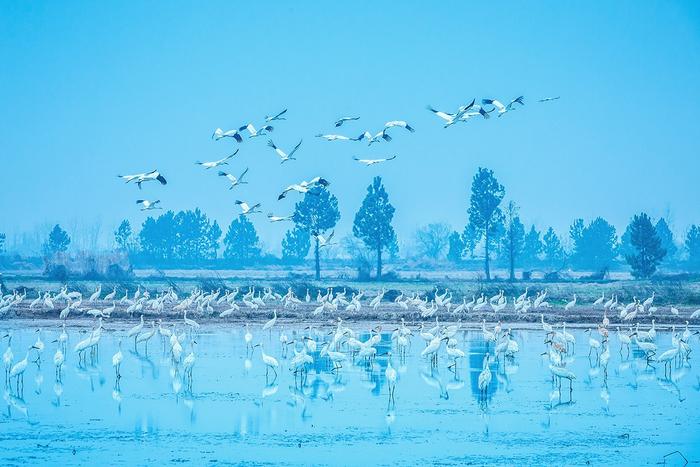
344	344
462	114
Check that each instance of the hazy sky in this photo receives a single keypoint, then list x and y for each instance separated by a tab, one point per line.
90	90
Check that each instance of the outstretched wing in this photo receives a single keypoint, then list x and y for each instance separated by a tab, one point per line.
295	148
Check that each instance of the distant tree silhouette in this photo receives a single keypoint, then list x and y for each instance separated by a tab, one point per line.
57	242
470	238
552	249
532	247
197	236
316	213
513	238
667	241
373	221
241	241
576	232
2	242
186	236
647	244
295	245
432	240
123	237
626	248
359	253
158	238
456	248
594	245
484	213
692	246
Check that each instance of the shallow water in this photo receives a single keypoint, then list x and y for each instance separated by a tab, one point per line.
235	414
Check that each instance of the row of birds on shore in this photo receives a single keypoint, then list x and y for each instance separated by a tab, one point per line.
462	114
230	302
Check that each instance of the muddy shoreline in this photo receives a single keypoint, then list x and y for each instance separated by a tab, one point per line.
302	314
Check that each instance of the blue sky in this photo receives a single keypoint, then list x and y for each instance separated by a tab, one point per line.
93	89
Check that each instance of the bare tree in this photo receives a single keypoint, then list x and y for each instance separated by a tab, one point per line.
432	240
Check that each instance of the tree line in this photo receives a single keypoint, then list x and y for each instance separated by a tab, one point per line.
494	233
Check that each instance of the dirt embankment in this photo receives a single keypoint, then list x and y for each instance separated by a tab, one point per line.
387	312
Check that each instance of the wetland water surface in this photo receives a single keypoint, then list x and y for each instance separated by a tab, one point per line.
234	413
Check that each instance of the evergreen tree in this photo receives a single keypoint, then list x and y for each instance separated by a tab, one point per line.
649	252
295	245
456	247
197	236
372	222
241	241
57	242
158	237
552	249
315	214
2	243
532	247
576	233
692	245
513	238
626	248
484	213
667	241
471	238
595	245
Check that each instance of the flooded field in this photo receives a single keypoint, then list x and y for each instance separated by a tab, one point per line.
237	408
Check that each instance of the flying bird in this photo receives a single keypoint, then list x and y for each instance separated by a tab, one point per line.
322	241
147	205
342	120
452	118
219	133
518	100
284	156
502	109
235	181
305	187
279	116
254	133
335	137
274	218
477	111
369	162
547	99
382	135
247	209
144	177
212	164
399	123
